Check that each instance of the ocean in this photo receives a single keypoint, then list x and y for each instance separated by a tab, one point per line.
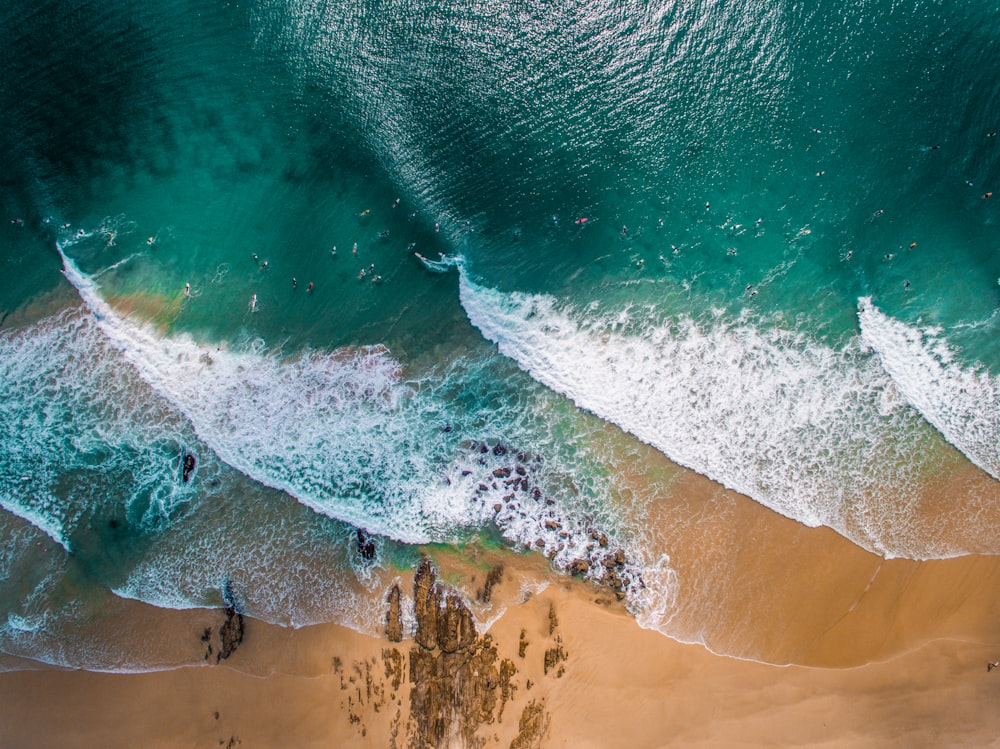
507	275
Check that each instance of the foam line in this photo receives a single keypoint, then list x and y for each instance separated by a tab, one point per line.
813	432
963	403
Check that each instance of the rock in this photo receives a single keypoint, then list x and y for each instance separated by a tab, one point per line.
532	728
520	470
493	578
456	628
620	558
579	567
499	449
426	605
394	617
453	671
501	473
231	631
552	525
497	507
366	545
603	541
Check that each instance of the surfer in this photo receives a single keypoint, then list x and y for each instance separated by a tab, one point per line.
354	249
189	464
309	288
361	274
582	220
253	303
187	290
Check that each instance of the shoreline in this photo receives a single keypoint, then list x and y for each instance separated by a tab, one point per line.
566	667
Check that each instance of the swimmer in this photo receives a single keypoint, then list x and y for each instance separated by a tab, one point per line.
624	230
295	283
371	268
640	262
16	221
255	257
879	212
333	251
187	290
992	134
253	303
707	205
65	226
411	246
365	212
310	286
354	249
906	284
912	245
395	202
676	249
361	274
437	226
849	255
889	256
149	240
730	251
383	234
555	219
377	279
263	266
659	223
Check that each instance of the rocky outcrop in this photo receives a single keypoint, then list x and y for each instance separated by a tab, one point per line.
394	617
493	578
532	727
231	631
457	679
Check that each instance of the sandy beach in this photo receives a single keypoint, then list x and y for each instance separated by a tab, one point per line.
568	667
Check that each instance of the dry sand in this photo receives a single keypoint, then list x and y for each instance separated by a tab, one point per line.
609	684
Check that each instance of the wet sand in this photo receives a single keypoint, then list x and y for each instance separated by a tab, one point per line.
585	675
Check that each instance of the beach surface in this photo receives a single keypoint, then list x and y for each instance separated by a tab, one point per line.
566	667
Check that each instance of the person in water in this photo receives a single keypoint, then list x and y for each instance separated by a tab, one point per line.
189	464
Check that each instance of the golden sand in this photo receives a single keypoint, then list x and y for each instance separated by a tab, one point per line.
586	676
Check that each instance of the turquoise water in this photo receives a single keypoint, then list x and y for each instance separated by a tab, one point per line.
755	236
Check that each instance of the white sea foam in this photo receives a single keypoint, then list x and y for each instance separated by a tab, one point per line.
73	421
344	434
819	434
962	402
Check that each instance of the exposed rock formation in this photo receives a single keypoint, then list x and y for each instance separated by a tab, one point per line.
231	631
394	617
456	679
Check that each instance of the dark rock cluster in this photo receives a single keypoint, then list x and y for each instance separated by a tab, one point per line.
458	681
